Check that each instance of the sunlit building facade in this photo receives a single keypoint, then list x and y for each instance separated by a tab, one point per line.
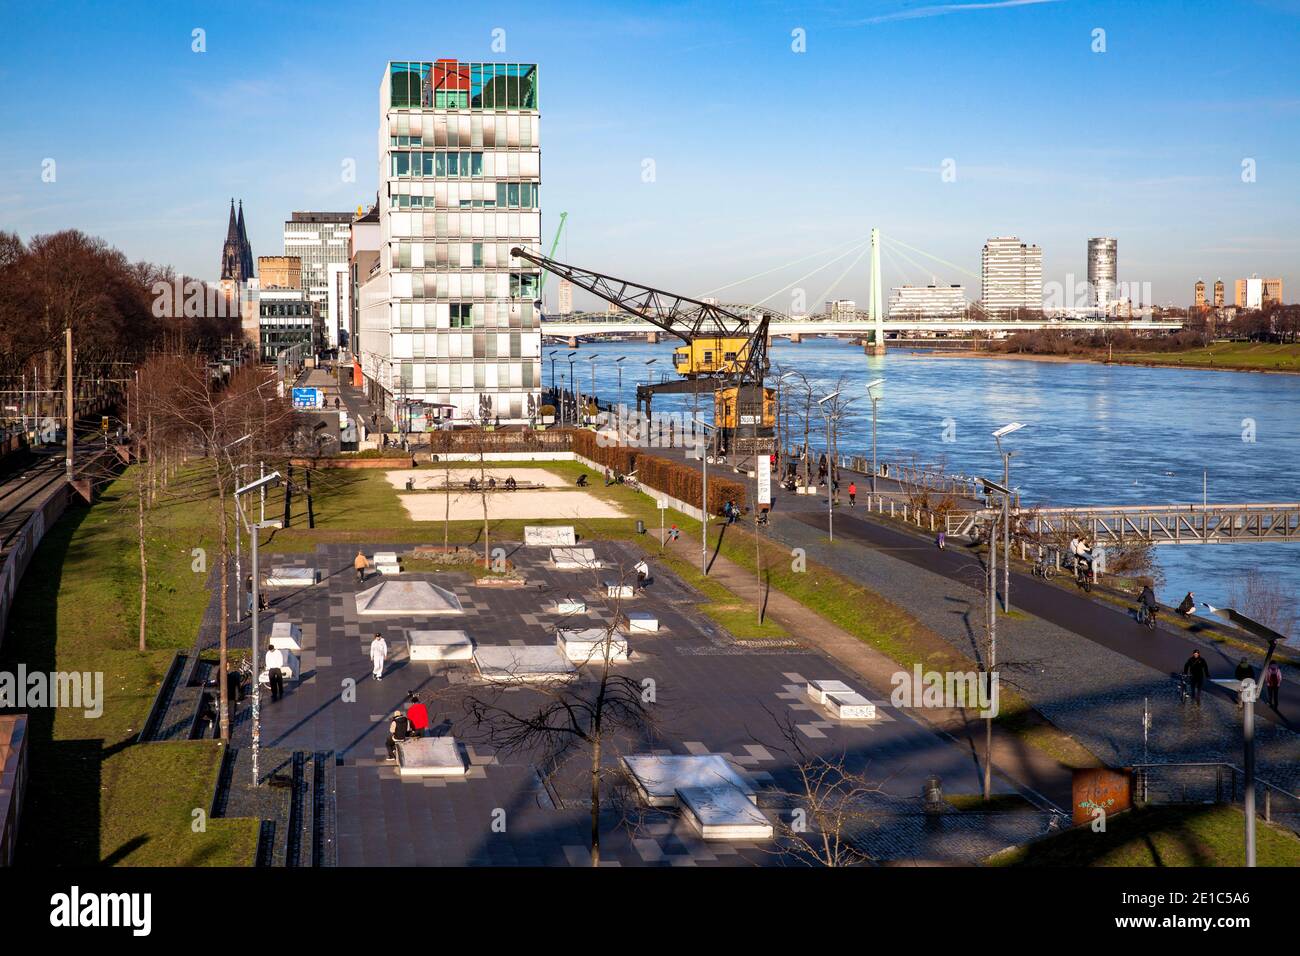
450	320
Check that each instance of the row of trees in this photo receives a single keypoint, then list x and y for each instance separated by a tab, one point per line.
181	412
116	308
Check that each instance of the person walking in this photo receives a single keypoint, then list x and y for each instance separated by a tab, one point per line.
1197	671
378	655
1272	684
275	671
417	715
642	574
359	564
853	493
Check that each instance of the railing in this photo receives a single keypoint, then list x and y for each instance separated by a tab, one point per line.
1212	783
1159	524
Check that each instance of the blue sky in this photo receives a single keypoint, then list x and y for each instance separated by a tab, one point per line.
762	155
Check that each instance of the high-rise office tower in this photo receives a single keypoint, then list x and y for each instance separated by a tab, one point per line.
1011	276
1103	263
319	239
1272	292
565	297
450	318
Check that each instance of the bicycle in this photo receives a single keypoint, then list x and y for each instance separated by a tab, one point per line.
1147	615
1181	688
1043	567
1081	576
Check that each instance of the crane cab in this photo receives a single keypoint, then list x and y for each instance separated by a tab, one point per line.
711	355
737	410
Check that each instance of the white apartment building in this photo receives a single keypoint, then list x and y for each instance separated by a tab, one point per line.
450	319
1011	276
927	301
845	310
1103	271
564	294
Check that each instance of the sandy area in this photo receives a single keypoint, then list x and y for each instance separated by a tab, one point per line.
525	503
433	477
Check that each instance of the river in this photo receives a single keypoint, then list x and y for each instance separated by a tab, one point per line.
1096	434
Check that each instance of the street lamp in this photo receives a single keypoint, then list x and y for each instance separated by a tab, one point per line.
990	489
830	475
618	364
253	530
239	608
875	397
998	435
594	398
1248	691
573	383
704	496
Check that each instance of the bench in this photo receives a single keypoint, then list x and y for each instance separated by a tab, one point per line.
841	700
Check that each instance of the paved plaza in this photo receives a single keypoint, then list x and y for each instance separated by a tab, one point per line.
711	695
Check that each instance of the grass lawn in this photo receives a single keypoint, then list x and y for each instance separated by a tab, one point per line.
1254	356
1160	836
77	609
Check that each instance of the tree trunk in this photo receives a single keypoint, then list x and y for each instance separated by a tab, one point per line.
144	561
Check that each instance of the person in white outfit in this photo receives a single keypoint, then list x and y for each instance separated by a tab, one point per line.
378	654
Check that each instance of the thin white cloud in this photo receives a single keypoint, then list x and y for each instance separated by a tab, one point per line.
939	10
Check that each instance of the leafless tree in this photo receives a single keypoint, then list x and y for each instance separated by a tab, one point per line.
1262	597
555	721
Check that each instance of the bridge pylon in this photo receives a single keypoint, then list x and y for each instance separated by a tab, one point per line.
875	313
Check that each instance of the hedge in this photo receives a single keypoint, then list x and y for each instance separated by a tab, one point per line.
674	478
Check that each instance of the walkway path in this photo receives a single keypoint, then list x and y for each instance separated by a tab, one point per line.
1026	766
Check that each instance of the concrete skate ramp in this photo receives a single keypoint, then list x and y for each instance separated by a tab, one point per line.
407	599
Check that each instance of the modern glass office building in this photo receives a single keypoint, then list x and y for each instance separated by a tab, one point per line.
319	239
451	319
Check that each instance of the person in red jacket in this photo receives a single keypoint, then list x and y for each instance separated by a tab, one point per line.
853	493
417	715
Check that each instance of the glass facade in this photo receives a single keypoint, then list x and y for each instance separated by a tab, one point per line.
460	175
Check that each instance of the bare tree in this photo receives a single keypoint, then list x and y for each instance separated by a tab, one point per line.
1262	597
556	720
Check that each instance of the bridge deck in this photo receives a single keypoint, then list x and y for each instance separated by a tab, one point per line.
1159	524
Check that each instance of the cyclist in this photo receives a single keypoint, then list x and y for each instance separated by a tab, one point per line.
1147	603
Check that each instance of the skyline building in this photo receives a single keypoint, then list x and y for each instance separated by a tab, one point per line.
1103	271
319	240
938	301
449	323
1249	293
1011	276
1218	293
1271	293
564	296
1198	294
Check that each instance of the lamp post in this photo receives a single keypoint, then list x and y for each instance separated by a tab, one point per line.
551	356
998	435
239	603
830	474
872	393
704	495
1249	691
618	365
254	531
594	398
991	488
780	411
573	387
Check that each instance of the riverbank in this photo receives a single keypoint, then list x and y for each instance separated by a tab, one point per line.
1221	356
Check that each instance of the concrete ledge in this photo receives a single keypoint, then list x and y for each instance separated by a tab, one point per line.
440	646
430	757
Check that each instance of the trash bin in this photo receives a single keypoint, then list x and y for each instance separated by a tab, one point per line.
640	526
932	794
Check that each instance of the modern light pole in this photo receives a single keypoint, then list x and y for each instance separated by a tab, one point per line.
780	412
648	363
592	360
573	387
704	494
254	532
991	488
1249	692
998	435
618	364
830	475
874	392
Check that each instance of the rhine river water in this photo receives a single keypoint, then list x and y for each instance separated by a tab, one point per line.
1097	434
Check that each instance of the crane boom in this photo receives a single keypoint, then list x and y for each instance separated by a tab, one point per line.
677	315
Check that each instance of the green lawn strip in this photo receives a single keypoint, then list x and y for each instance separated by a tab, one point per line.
151	795
77	609
1251	356
997	802
1163	836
